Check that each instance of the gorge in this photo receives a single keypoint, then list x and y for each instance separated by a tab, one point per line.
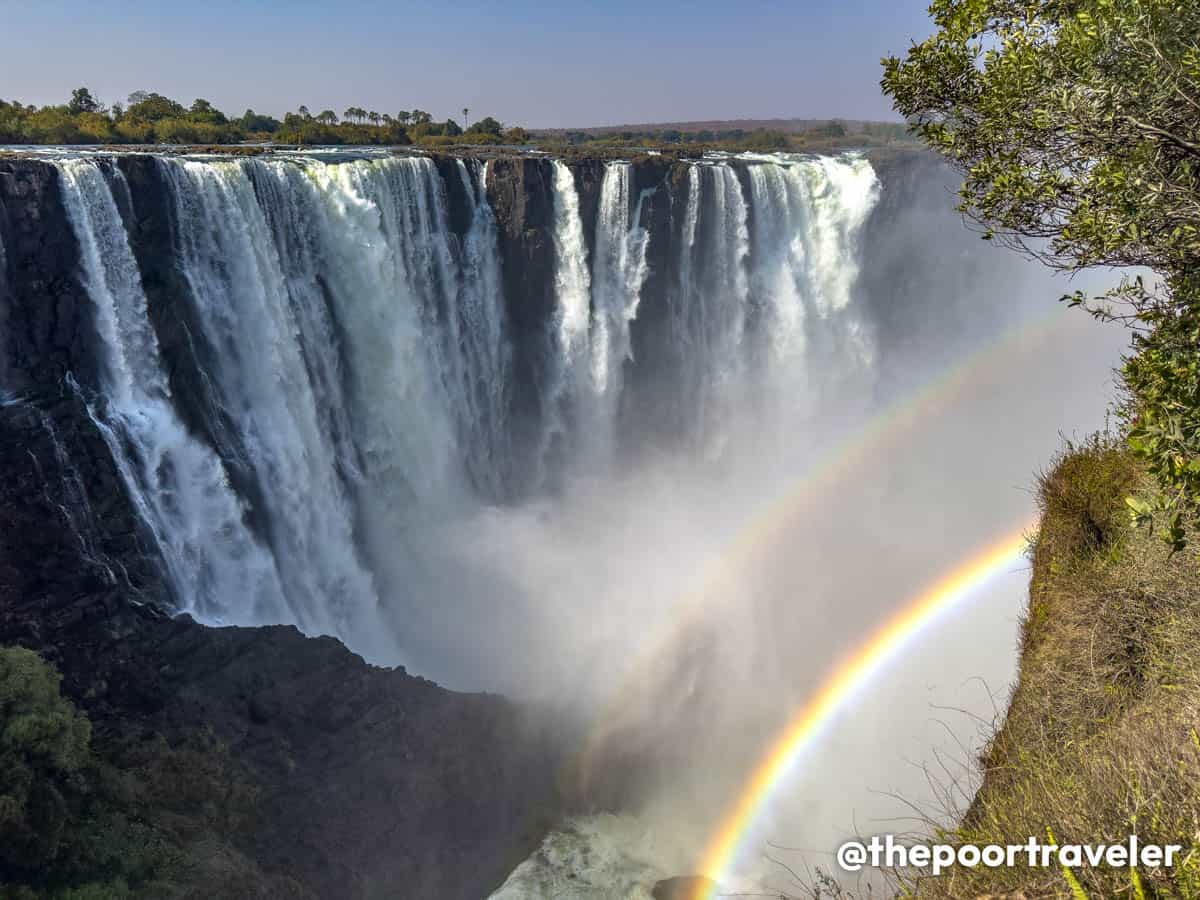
483	417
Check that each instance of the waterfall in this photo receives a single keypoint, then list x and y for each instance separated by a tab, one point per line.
808	212
618	273
349	332
709	313
571	382
267	390
179	486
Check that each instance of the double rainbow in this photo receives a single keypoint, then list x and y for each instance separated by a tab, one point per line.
818	485
766	530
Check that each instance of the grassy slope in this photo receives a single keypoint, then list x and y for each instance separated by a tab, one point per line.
1100	738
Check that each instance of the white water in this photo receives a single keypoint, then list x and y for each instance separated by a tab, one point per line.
219	570
618	272
571	379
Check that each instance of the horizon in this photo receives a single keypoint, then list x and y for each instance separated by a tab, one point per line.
541	69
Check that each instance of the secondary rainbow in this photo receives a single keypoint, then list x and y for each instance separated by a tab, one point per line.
840	688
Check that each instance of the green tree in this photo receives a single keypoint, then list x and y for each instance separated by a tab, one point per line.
327	117
1076	127
82	101
487	125
42	740
203	111
152	107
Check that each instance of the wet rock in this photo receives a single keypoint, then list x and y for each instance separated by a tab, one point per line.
687	887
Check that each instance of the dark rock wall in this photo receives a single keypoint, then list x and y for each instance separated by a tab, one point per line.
521	192
48	324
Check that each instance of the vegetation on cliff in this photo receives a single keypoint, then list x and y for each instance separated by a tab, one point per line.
66	825
1077	129
1100	740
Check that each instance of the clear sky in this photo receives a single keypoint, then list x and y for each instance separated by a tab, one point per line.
524	62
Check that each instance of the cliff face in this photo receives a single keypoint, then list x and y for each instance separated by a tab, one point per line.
1099	740
280	765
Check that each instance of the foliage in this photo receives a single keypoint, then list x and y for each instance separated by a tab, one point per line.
152	118
1076	126
486	125
813	136
62	832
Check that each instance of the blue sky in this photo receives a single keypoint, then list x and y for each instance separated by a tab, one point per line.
538	64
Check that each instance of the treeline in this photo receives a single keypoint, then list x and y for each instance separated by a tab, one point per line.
833	133
151	118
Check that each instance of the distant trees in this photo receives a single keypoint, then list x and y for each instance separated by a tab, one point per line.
150	117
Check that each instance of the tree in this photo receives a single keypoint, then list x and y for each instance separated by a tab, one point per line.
152	107
487	125
374	117
203	111
42	739
450	128
82	101
327	117
303	112
1076	128
252	121
420	117
404	117
466	120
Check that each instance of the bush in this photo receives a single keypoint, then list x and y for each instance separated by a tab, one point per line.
62	833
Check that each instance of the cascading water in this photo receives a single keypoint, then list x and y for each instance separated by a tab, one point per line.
266	389
807	215
353	346
571	379
179	486
710	308
618	272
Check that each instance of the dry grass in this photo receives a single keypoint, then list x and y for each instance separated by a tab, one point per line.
1100	738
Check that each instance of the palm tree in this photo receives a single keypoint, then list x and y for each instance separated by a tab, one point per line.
349	112
375	117
465	112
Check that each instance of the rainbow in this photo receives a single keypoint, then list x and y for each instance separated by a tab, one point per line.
817	485
841	687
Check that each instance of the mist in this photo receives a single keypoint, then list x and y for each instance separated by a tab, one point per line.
635	604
